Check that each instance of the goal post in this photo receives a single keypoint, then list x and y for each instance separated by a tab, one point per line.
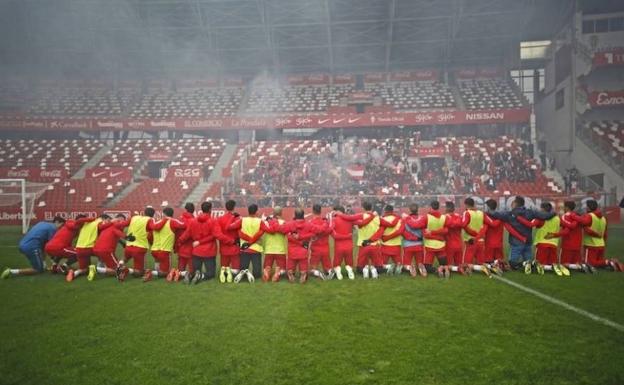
19	196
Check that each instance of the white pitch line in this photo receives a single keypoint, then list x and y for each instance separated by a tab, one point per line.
565	305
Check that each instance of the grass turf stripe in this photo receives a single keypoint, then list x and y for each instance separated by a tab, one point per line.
565	305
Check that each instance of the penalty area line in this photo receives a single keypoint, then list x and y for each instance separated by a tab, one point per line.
565	305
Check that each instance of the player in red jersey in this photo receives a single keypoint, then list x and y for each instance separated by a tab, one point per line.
184	250
391	240
343	243
164	233
60	246
138	227
299	233
106	244
454	243
571	234
435	245
595	237
204	231
319	245
369	230
275	246
413	251
230	259
494	235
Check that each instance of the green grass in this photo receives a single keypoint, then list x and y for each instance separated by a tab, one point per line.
468	330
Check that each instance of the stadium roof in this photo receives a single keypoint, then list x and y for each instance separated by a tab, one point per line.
249	36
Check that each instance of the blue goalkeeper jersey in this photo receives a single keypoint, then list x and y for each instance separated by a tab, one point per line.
37	236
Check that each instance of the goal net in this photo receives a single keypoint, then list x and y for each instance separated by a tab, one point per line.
18	197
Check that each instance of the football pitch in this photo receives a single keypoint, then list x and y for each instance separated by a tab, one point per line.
395	330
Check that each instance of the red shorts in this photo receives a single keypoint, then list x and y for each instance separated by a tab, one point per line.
108	258
230	260
291	264
493	254
430	254
393	252
320	256
162	257
138	254
453	255
279	259
65	252
474	253
411	253
594	256
184	262
84	257
570	257
546	255
372	253
343	253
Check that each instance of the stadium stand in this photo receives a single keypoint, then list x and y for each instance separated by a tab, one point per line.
188	103
296	99
80	102
608	135
413	95
47	154
488	93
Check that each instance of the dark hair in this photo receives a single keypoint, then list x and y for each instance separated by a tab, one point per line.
120	215
168	211
339	208
367	206
105	216
546	206
469	202
229	205
569	205
519	201
189	207
591	204
413	208
80	216
449	205
206	207
491	204
316	208
389	208
252	209
298	213
58	219
149	211
435	205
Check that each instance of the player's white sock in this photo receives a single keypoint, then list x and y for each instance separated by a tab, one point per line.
183	273
574	266
131	271
454	268
477	267
388	266
154	273
101	270
78	272
14	271
156	266
235	271
547	267
316	273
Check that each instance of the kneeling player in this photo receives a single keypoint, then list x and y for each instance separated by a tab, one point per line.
391	240
275	247
413	253
60	246
104	249
164	240
299	233
594	238
435	230
32	245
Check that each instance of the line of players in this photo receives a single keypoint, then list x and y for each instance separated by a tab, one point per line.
387	243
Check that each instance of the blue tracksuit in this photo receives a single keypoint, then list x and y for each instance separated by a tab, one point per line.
520	251
33	242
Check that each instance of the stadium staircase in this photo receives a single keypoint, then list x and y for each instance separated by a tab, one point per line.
216	176
458	99
555	176
93	161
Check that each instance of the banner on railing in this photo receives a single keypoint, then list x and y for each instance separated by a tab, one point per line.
611	57
34	174
602	99
388	119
